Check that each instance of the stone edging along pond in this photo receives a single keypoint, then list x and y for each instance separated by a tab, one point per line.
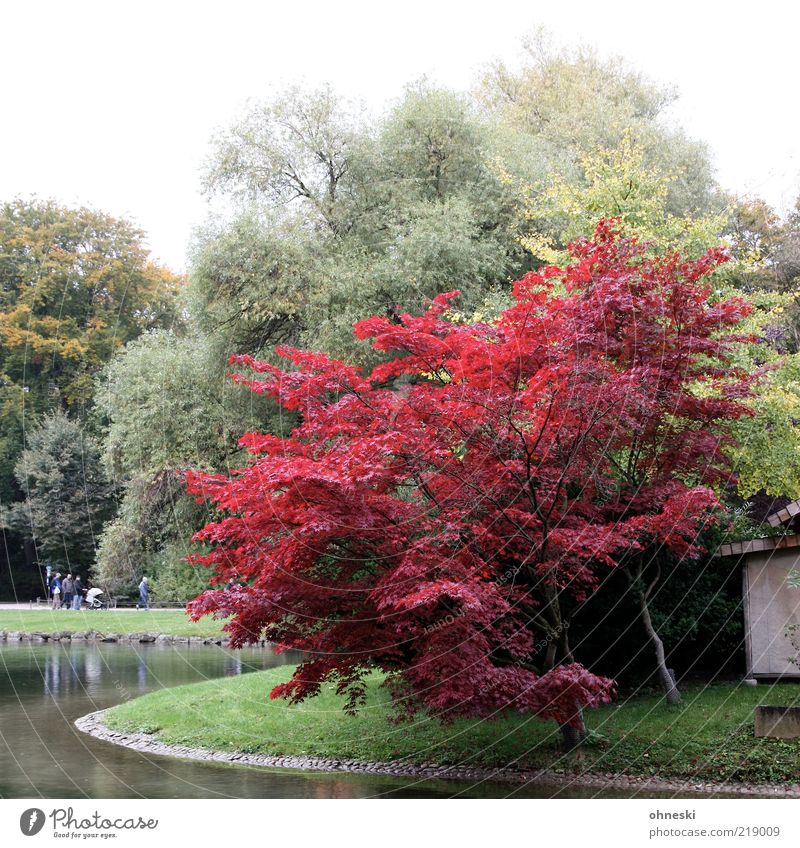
94	725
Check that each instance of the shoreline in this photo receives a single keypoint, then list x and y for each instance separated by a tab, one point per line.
40	637
94	725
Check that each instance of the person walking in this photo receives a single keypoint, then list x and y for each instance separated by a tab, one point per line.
55	588
78	596
67	591
144	594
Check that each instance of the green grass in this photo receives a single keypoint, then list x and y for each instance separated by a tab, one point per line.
709	736
168	622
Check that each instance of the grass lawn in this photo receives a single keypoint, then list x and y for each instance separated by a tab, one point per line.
709	736
169	622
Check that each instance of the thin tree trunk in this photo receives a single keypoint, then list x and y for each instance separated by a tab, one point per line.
668	684
572	736
552	612
31	560
550	656
564	648
558	650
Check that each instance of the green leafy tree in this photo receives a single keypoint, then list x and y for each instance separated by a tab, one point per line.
766	250
67	493
149	536
251	282
165	404
75	285
295	148
568	102
339	219
616	183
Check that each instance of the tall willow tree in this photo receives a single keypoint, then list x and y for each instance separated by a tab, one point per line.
340	217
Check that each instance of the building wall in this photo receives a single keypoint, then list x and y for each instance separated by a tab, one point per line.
770	604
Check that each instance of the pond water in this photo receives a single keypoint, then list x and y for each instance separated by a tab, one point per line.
44	688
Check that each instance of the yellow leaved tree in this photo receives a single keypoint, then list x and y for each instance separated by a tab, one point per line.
620	182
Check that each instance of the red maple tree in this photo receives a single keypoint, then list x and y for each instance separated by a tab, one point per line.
441	517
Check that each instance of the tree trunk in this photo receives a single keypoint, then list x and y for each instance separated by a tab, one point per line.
559	651
668	684
552	612
550	656
564	649
572	737
31	560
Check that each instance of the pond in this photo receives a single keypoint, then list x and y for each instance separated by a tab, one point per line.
45	687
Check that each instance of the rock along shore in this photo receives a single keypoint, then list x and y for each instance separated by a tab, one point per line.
98	636
642	785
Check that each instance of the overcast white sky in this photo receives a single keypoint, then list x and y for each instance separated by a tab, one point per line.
112	103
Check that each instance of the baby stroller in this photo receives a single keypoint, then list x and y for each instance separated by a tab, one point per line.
93	599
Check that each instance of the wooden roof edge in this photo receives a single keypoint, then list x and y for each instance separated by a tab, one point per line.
765	543
784	514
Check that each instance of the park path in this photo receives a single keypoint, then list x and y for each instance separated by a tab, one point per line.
30	606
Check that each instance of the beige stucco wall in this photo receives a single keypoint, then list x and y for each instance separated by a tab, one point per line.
770	604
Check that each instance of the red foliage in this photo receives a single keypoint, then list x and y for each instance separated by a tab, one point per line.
436	518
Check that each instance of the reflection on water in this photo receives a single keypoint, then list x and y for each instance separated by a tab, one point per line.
44	688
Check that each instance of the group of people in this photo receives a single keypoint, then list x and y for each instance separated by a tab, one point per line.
67	593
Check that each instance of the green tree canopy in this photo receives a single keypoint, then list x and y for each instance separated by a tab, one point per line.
339	218
568	102
166	404
67	493
75	285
